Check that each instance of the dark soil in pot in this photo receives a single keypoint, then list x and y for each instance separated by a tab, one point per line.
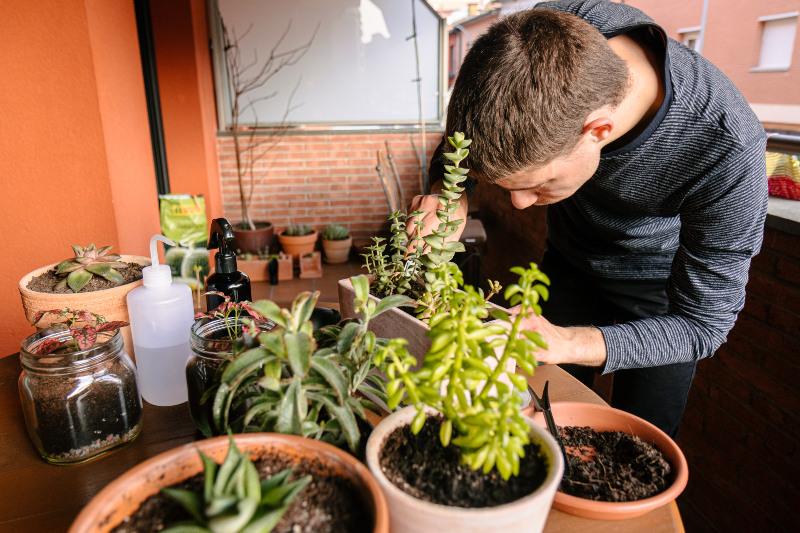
420	466
329	503
612	466
46	282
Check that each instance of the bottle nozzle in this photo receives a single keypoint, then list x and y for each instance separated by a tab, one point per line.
156	274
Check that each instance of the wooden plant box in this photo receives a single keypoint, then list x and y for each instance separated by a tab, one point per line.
311	265
285	267
256	269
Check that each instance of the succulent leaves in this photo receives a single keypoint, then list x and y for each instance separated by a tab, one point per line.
89	261
234	499
335	232
297	230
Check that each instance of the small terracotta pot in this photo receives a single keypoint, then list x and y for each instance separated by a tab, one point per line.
254	241
123	496
337	251
412	515
605	418
256	269
298	245
110	303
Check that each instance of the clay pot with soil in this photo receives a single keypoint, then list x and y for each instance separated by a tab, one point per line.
298	240
255	265
254	241
342	495
105	294
620	466
336	243
428	488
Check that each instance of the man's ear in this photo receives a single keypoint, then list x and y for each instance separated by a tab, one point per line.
598	129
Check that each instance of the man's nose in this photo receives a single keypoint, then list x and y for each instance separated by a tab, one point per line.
523	199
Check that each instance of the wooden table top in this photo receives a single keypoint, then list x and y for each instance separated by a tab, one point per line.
38	497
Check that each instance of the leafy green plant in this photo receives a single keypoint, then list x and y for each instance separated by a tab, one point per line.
297	230
295	382
233	498
88	262
464	377
335	232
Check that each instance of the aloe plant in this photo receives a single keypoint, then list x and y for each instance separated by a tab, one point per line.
88	262
234	499
462	373
293	382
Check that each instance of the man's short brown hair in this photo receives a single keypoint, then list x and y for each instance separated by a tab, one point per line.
526	87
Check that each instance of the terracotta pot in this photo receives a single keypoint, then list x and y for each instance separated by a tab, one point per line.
337	251
256	269
123	496
605	418
110	303
411	515
298	245
254	241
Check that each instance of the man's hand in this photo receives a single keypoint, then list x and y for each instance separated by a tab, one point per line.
574	345
428	204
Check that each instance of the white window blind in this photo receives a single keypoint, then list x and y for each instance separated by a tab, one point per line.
777	42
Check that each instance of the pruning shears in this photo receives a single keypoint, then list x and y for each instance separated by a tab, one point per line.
543	404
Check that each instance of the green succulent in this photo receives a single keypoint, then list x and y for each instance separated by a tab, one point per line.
234	499
297	230
297	383
335	232
461	373
89	261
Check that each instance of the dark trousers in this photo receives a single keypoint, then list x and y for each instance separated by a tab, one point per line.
657	394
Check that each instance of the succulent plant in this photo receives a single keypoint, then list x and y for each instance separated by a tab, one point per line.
82	325
89	261
335	232
297	230
295	382
461	374
234	499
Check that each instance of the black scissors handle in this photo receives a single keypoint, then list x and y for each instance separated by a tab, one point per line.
543	404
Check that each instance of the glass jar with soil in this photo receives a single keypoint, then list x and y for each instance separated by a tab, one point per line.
213	342
78	404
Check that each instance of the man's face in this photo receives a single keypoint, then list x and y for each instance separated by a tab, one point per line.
553	181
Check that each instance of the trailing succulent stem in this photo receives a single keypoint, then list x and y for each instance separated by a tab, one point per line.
234	499
397	269
464	376
294	382
88	262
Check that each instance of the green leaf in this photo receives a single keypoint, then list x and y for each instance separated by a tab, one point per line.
252	483
288	412
242	363
105	271
265	521
344	415
209	471
454	247
188	500
235	522
346	337
332	374
78	280
269	310
418	422
395	300
299	347
185	528
67	266
272	375
360	287
445	432
303	306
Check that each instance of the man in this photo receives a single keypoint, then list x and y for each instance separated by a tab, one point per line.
652	166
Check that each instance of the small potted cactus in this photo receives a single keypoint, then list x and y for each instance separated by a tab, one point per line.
95	280
298	240
336	242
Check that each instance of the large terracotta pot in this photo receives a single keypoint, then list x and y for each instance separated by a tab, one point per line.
337	251
110	303
254	241
605	418
123	496
411	515
298	245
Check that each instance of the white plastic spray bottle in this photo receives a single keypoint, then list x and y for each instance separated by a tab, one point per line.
161	316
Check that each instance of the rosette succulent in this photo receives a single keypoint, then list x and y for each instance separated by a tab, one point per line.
89	261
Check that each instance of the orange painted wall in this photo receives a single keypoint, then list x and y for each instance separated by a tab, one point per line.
71	139
187	99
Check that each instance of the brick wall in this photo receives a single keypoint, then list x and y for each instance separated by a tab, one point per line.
318	179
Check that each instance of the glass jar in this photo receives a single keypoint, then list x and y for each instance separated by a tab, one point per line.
78	404
212	345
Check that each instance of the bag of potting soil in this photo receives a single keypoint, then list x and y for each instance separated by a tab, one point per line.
183	221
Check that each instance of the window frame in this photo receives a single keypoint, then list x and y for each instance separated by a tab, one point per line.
763	21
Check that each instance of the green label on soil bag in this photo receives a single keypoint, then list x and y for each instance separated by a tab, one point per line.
183	220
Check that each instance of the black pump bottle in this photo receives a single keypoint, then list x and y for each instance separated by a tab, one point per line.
226	278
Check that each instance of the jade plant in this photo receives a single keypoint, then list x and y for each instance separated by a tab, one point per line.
82	325
297	230
335	232
89	261
233	498
293	381
464	376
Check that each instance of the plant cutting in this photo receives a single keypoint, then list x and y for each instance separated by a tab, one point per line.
297	382
463	441
336	242
93	279
297	240
301	484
